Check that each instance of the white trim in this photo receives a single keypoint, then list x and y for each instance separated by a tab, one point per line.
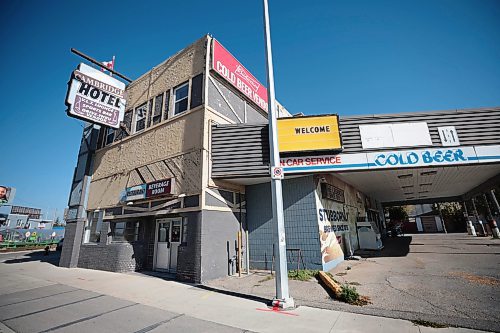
224	209
188	84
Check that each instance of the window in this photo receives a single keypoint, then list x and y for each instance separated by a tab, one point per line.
197	91
150	112
92	231
140	117
167	105
184	230
125	231
157	109
110	136
127	122
181	98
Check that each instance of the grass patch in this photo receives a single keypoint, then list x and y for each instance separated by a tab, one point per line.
428	324
302	274
350	295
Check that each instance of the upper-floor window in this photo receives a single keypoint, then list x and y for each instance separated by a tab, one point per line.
181	98
110	136
157	109
140	117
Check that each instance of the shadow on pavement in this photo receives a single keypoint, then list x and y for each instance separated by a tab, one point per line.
51	258
393	247
267	301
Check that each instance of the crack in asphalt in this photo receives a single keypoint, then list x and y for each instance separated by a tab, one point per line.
410	294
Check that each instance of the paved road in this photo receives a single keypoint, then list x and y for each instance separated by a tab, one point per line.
37	296
451	279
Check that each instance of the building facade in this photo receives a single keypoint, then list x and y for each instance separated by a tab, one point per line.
181	183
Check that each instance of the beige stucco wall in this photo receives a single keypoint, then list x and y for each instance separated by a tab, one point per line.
172	148
170	73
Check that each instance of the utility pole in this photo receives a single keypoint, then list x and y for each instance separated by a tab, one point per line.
282	299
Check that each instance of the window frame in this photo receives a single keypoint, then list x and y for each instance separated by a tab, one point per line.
109	131
187	98
131	228
143	107
94	218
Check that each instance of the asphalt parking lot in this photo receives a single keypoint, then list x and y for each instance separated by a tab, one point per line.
451	279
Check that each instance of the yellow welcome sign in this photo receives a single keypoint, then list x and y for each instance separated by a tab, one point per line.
309	133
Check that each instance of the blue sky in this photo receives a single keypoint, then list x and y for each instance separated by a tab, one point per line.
347	57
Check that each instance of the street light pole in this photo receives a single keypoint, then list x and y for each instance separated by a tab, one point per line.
282	299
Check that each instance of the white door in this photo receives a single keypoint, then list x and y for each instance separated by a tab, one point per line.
162	244
168	239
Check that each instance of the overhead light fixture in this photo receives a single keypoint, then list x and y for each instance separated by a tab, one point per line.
426	184
410	198
407	186
409	175
428	173
408	193
423	191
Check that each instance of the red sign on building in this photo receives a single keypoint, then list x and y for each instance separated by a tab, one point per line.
237	75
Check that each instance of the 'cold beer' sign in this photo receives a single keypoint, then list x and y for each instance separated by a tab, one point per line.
96	97
238	76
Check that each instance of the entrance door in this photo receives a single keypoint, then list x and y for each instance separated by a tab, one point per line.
429	223
168	239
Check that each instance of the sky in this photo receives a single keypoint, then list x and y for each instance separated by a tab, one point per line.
349	57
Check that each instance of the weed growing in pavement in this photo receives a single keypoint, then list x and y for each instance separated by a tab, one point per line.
350	295
302	274
267	278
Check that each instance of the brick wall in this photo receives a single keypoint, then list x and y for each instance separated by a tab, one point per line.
189	254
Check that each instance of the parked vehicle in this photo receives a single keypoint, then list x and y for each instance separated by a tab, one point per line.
60	245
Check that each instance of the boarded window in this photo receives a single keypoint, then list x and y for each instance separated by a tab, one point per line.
197	91
166	109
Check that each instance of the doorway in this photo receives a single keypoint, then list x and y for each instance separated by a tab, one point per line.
168	239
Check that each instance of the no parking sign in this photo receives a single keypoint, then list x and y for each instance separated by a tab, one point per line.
277	173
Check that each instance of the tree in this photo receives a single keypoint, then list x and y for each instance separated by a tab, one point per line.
397	213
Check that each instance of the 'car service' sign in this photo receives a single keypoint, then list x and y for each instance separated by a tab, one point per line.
96	97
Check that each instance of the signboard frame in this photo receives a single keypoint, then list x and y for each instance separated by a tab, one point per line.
311	138
100	101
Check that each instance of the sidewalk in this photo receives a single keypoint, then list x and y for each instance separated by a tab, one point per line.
191	302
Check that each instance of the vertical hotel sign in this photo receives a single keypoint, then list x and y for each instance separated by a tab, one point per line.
95	97
237	75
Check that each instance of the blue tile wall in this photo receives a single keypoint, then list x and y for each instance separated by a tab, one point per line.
301	224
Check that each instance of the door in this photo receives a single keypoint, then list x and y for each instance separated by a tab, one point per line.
162	245
429	223
168	239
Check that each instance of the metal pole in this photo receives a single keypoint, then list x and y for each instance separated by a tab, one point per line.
495	201
490	219
283	299
470	226
95	62
477	217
